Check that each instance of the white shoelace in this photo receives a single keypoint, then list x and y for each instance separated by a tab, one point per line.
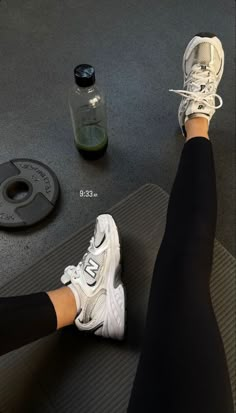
75	271
196	78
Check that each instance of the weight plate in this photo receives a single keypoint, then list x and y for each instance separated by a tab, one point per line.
29	191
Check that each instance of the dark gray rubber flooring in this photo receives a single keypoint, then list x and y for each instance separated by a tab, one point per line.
70	372
136	47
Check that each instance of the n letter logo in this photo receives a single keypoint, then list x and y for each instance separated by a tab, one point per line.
92	268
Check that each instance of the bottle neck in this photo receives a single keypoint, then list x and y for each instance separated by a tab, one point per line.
88	89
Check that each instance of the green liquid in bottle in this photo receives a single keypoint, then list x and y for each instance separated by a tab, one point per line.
91	141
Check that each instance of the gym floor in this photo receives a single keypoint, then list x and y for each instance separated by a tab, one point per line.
136	48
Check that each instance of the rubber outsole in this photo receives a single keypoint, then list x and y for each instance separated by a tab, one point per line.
108	332
205	34
124	288
121	281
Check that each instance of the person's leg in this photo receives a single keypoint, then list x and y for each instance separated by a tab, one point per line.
182	368
27	318
93	298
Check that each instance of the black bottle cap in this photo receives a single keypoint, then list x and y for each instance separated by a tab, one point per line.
84	75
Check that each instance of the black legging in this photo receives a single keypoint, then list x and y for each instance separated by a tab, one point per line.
182	367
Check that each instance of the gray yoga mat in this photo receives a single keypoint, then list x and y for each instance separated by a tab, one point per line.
71	372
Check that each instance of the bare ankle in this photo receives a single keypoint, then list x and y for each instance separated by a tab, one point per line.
65	306
196	127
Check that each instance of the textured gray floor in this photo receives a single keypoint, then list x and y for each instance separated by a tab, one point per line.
136	48
69	372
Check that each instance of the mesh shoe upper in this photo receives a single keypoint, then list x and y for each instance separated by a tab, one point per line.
205	54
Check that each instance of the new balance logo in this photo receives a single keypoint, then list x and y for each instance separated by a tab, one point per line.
92	268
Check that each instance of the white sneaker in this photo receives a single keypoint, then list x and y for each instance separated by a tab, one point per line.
203	66
97	282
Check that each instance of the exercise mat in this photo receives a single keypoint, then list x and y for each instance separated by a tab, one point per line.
72	372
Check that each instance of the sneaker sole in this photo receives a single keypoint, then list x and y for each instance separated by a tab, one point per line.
115	314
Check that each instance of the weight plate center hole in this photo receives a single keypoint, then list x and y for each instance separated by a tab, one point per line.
17	191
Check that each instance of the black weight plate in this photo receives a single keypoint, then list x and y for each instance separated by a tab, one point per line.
29	191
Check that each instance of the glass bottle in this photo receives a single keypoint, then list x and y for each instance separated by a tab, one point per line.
88	113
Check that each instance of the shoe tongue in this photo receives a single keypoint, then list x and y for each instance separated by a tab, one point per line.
98	235
196	87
